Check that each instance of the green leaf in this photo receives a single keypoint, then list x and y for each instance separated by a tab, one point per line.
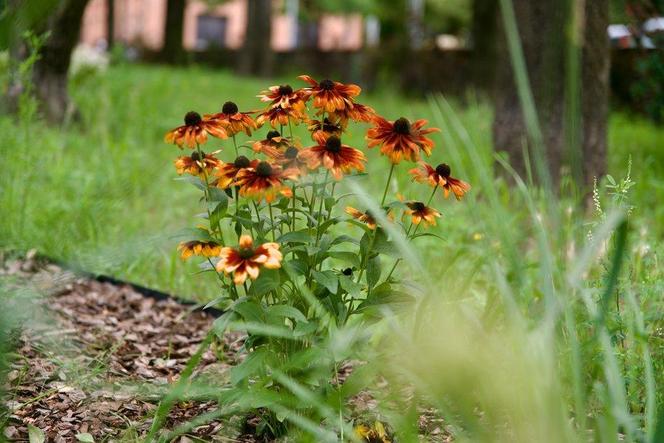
287	312
346	256
85	437
35	435
373	271
218	212
249	310
329	203
344	239
252	364
301	236
268	280
220	325
349	285
193	180
217	195
187	234
385	294
328	279
610	179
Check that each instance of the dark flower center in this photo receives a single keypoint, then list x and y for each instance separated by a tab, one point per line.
272	134
192	118
241	162
229	108
417	206
291	152
246	253
333	144
402	126
264	169
285	90
347	271
328	126
326	85
443	170
195	156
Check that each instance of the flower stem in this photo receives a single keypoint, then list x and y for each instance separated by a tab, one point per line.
387	185
206	191
237	152
272	227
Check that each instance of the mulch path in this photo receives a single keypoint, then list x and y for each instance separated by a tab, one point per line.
94	357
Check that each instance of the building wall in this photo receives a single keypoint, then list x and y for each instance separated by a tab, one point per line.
141	23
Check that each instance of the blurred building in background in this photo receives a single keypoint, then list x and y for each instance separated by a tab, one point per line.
140	23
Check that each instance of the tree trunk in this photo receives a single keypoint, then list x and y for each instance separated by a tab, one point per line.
50	71
256	57
172	51
595	89
484	27
110	24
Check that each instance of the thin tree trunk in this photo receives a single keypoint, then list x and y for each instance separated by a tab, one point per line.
595	89
484	28
541	29
172	51
50	71
256	57
110	23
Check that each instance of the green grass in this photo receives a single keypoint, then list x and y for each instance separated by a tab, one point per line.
100	194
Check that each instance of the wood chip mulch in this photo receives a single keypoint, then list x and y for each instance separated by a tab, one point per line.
94	358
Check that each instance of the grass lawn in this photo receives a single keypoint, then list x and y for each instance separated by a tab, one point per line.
101	195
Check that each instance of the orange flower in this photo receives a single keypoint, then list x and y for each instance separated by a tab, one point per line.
265	181
277	115
291	159
440	176
197	165
273	145
202	248
364	217
227	172
330	96
195	131
322	129
419	211
357	112
247	260
233	120
400	139
284	96
333	155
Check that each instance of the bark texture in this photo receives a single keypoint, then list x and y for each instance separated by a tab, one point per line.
256	57
50	71
595	89
173	52
543	30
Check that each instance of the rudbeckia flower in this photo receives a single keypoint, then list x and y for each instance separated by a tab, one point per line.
227	172
364	217
420	212
357	112
247	260
202	248
265	181
322	129
291	159
278	116
330	96
372	434
233	120
400	139
195	164
440	176
336	157
195	131
284	96
273	144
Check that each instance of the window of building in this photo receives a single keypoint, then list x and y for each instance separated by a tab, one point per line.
210	32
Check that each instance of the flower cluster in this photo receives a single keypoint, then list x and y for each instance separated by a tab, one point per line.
281	165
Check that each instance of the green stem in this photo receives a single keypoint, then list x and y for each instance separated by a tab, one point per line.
206	191
293	221
237	151
272	227
387	185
